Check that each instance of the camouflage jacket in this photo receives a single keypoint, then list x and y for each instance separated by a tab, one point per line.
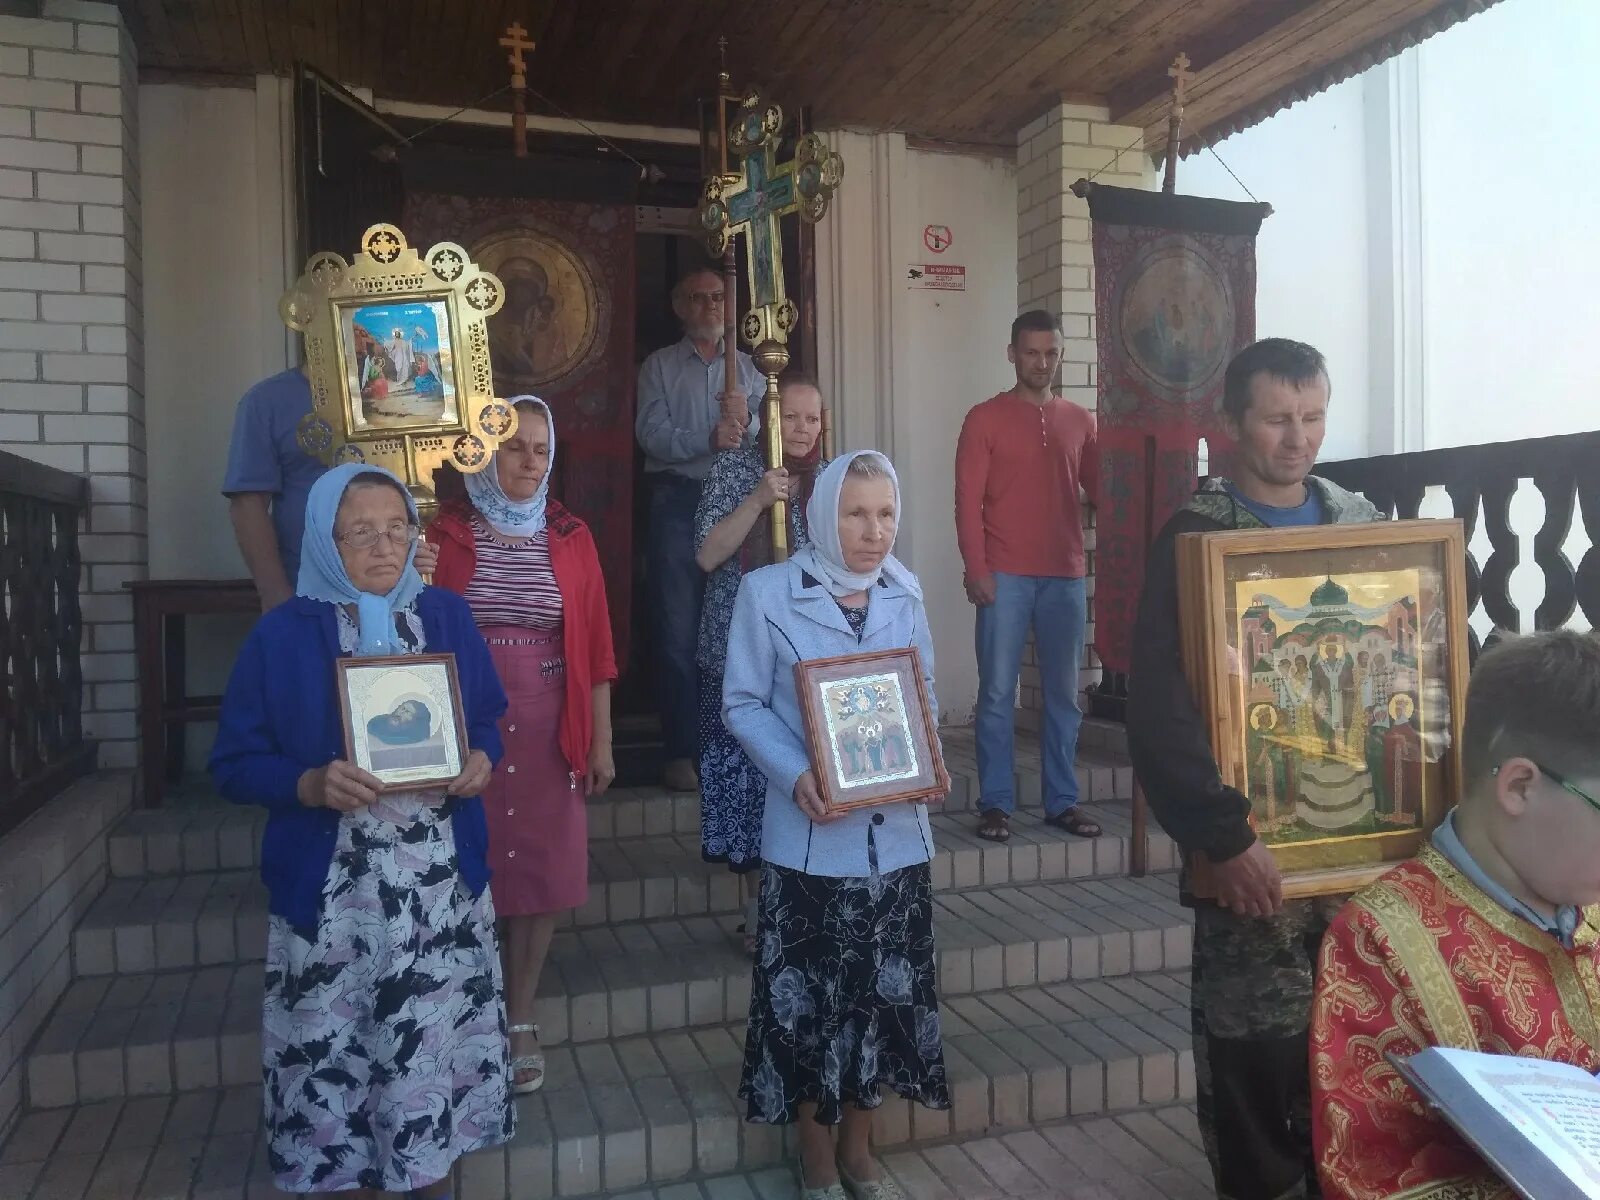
1167	738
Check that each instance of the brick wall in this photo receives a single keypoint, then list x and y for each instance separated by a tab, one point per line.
71	329
51	869
1055	272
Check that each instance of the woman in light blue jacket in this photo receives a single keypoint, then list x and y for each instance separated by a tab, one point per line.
843	997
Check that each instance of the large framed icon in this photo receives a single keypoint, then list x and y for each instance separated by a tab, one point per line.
1330	664
397	352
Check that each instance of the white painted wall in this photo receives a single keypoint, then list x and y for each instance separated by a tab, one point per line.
217	247
1309	163
1510	199
904	366
218	239
1434	232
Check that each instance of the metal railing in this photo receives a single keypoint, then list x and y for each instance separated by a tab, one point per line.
42	747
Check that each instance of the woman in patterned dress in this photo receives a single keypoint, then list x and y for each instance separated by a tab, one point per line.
383	1022
530	572
733	536
843	999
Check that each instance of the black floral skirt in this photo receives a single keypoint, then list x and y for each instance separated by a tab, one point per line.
843	998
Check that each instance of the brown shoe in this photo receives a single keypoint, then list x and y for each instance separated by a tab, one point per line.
679	775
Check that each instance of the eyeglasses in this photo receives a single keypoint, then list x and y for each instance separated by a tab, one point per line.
1562	781
705	298
366	539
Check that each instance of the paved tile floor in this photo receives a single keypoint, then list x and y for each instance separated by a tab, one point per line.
205	1146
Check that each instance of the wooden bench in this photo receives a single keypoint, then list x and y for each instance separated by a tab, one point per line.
160	609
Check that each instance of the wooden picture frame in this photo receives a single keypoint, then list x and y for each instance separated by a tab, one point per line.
1330	665
403	720
870	729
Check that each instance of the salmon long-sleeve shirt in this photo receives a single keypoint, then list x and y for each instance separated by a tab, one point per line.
1019	466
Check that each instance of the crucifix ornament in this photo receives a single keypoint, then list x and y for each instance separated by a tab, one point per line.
751	202
1181	75
516	40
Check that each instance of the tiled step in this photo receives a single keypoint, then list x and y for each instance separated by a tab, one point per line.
651	1110
140	1033
160	921
208	837
169	842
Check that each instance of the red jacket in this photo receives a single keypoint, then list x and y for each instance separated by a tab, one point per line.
586	622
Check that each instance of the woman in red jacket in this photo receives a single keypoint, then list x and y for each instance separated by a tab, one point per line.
529	570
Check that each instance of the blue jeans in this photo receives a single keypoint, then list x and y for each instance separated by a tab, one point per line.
1054	608
676	585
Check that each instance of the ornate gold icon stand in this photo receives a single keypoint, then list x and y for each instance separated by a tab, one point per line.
397	351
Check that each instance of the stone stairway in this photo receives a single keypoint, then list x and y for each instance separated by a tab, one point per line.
1064	986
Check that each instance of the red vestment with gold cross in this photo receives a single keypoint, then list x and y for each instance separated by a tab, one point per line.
1425	958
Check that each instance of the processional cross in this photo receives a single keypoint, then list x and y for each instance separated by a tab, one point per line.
516	41
750	201
1181	75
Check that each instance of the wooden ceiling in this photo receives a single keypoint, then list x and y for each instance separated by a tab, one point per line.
962	70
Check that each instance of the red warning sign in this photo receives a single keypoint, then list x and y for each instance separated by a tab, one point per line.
936	277
937	238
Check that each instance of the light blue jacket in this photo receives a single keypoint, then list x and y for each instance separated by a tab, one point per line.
783	616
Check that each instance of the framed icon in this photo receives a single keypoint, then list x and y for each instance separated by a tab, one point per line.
1330	663
403	719
870	729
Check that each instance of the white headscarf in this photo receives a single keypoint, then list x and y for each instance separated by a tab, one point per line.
513	518
823	558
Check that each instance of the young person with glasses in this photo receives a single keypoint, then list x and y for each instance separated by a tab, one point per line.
1487	940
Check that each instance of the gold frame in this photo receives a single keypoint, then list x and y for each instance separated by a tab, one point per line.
390	272
1202	560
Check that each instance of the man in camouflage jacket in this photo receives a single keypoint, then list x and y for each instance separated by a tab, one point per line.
1254	954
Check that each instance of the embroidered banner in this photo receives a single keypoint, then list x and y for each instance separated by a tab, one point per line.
565	334
1175	289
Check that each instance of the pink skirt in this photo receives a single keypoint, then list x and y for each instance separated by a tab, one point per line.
538	830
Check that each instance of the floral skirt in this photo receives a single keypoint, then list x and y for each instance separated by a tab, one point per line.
383	1030
843	998
733	791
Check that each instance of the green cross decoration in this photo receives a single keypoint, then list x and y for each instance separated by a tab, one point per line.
755	200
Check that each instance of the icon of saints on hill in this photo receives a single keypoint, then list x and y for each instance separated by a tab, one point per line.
1334	730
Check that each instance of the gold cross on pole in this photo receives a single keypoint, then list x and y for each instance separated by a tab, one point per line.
1179	70
752	203
1180	73
516	41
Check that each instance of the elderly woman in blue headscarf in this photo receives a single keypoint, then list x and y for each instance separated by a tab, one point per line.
843	1000
383	1021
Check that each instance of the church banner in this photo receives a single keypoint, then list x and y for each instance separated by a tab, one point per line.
1175	288
564	334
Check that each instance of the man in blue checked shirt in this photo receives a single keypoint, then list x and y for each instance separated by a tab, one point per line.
684	420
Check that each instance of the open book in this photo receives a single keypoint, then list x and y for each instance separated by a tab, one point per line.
1536	1123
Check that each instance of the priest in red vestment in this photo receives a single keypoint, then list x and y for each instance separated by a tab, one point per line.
1488	940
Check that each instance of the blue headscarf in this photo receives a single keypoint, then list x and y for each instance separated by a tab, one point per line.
322	573
513	518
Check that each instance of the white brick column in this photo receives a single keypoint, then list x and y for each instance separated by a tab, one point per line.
71	330
1055	272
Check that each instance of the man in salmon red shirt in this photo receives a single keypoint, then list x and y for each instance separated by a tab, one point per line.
1022	459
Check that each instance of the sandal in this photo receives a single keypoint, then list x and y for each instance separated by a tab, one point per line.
1074	823
994	826
527	1062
